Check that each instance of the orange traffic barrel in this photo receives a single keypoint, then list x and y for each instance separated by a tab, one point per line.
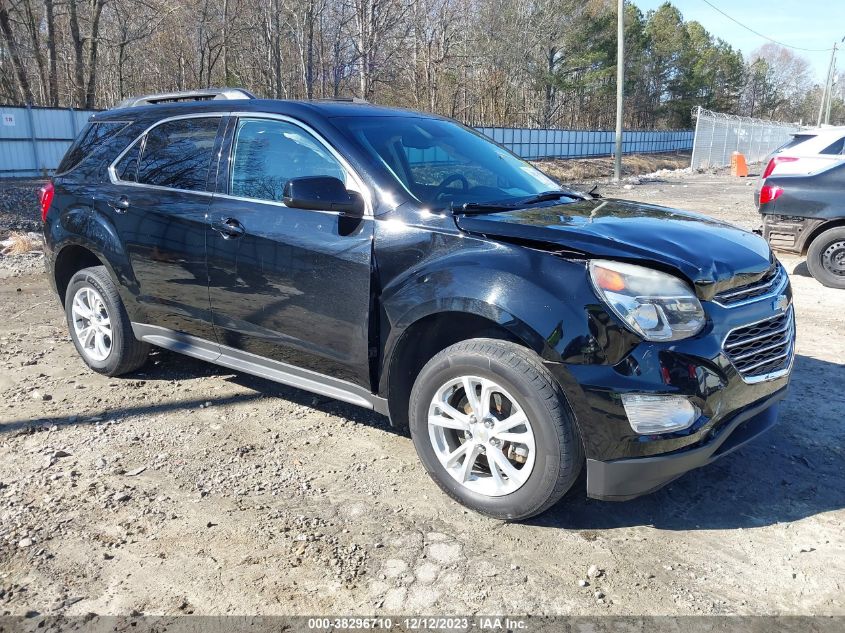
738	165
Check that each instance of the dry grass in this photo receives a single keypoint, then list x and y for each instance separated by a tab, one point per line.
19	243
578	170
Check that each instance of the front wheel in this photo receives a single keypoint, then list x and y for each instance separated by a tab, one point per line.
826	258
492	428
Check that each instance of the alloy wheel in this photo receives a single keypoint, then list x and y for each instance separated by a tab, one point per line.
92	324
481	435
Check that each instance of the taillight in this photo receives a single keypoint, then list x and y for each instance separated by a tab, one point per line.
45	197
770	193
777	159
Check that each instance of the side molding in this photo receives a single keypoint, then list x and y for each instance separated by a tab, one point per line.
258	366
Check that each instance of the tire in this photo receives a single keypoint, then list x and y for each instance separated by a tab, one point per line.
826	258
514	381
91	292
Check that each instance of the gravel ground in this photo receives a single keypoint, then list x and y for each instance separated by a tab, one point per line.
187	488
19	210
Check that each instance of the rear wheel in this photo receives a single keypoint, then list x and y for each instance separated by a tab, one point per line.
493	430
826	258
99	325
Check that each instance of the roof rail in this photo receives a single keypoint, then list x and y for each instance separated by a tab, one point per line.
343	99
188	95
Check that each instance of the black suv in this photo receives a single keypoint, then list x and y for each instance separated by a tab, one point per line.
402	262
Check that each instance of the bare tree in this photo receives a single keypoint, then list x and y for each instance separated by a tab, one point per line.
374	38
14	52
499	62
779	81
50	20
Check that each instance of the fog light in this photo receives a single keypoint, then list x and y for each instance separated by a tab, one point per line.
650	414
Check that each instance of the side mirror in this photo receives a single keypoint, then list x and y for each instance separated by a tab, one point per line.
322	193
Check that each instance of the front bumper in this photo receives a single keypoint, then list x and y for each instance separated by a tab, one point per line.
714	370
623	479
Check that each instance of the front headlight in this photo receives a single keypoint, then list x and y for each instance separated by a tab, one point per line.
655	305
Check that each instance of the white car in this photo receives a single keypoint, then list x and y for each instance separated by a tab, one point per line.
808	152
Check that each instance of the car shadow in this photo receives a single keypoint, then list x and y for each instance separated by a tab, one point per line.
93	416
801	269
166	366
792	472
173	366
351	412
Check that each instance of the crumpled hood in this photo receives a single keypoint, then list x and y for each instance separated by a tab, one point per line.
713	255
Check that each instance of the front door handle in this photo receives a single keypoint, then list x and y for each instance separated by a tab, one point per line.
120	205
229	228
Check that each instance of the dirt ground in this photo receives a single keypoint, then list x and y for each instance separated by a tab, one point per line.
187	488
579	169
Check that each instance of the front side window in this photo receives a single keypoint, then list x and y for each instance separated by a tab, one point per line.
442	163
267	153
177	154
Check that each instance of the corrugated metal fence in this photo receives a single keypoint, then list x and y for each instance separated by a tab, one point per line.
718	135
33	140
538	144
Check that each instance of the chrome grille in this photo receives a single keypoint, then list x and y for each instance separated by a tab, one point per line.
765	286
764	348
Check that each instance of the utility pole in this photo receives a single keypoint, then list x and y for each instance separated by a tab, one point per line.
830	90
620	87
827	93
824	92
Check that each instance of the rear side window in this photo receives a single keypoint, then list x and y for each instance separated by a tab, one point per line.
834	148
93	136
176	154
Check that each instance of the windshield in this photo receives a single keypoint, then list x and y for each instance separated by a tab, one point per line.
442	163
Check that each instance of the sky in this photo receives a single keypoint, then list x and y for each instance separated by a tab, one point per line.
805	23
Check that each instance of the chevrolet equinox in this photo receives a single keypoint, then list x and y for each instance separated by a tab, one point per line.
399	261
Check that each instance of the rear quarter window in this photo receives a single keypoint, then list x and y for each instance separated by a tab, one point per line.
92	137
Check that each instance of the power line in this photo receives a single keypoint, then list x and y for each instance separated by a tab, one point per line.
766	37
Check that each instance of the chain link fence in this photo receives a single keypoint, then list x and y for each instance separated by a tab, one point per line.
718	135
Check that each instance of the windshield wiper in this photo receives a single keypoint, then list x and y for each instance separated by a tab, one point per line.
468	208
548	195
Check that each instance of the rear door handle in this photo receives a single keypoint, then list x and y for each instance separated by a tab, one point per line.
120	205
229	228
